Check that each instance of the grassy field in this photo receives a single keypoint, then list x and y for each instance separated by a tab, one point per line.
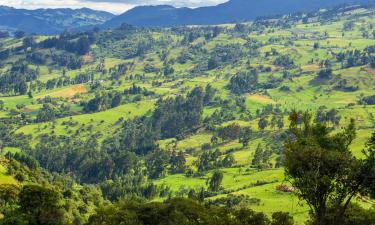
4	177
285	89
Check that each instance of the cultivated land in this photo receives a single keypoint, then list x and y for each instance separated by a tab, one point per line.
287	53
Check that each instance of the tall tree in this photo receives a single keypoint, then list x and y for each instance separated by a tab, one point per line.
245	136
323	170
215	181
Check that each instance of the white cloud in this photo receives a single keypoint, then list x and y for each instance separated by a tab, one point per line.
114	6
178	3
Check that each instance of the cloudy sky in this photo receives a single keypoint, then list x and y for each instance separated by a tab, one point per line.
114	6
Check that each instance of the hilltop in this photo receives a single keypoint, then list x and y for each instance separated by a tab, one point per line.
228	12
50	21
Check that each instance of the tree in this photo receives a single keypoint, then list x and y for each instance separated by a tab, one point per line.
280	123
209	94
213	63
284	61
325	73
228	161
168	70
178	162
323	170
369	168
22	88
41	205
215	181
29	94
281	218
250	217
263	123
258	156
230	132
245	136
8	196
157	163
28	42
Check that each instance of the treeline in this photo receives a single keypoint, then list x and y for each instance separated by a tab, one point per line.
52	109
38	205
352	58
182	211
15	80
78	43
367	100
107	100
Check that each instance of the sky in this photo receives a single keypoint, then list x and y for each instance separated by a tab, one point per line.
113	6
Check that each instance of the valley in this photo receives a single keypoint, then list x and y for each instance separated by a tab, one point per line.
155	113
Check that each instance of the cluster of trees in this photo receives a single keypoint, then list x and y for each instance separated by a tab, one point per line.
136	90
78	43
325	74
368	100
136	140
330	116
103	101
175	117
352	58
9	138
15	80
133	42
244	82
107	100
223	55
284	61
233	132
64	81
261	158
51	111
46	205
184	212
344	85
210	160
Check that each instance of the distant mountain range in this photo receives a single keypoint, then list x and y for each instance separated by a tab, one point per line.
231	11
50	21
53	21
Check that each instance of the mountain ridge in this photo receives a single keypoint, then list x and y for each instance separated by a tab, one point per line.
231	11
50	21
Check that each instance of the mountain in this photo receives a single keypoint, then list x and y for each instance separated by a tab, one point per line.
50	21
231	11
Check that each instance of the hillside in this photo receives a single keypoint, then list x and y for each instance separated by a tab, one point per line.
50	21
229	12
150	114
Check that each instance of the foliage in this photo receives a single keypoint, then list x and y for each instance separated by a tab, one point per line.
323	170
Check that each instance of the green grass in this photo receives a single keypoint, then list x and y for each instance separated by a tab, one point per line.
4	177
102	121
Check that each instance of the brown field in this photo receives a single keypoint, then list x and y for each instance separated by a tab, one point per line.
371	71
261	98
310	68
69	92
87	58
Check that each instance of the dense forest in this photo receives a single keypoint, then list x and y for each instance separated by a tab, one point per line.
269	122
